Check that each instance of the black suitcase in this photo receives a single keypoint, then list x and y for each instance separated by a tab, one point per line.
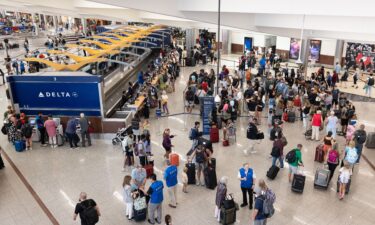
191	173
291	117
1	162
212	163
140	215
7	94
227	216
298	183
347	188
210	177
370	140
205	142
272	172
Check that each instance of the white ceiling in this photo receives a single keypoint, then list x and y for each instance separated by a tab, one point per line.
332	19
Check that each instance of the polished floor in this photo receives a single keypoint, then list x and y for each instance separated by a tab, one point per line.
58	176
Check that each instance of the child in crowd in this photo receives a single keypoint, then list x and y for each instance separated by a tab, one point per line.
184	180
344	178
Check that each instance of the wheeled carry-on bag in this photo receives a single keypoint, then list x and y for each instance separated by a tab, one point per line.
20	145
174	158
227	216
210	177
321	178
214	135
272	172
191	172
370	141
298	183
291	117
319	153
140	209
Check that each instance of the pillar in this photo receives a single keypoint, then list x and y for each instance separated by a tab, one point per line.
54	22
36	27
339	51
225	41
191	36
84	25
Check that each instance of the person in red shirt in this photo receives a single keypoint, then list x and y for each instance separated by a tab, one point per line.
316	122
205	86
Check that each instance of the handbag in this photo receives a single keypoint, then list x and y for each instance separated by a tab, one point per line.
260	136
228	202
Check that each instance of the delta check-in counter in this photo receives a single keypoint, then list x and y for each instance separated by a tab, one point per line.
61	94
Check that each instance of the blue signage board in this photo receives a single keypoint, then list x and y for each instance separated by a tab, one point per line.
208	104
56	95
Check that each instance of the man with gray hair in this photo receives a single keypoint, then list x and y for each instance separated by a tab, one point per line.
84	124
87	209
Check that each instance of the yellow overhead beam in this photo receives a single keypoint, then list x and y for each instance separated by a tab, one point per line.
55	66
113	41
98	43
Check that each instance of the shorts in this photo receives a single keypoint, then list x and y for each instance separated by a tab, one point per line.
136	132
189	103
200	166
344	122
292	169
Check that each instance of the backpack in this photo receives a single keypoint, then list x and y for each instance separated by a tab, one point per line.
269	199
291	156
360	137
165	78
90	215
27	130
333	156
4	130
351	156
349	113
370	81
275	152
190	96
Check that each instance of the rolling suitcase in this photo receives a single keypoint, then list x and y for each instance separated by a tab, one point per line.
226	143
212	163
321	178
272	172
191	172
214	135
227	216
319	153
347	188
210	177
20	145
60	140
174	158
298	183
291	117
149	167
370	140
140	209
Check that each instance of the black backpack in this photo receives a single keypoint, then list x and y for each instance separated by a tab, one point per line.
360	136
291	156
89	214
190	96
275	152
27	130
165	78
370	81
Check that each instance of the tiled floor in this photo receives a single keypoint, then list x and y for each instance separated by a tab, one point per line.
58	176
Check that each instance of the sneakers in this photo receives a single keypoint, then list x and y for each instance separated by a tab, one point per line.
44	145
243	205
123	170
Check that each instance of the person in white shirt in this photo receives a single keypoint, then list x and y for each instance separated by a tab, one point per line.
184	56
344	178
127	197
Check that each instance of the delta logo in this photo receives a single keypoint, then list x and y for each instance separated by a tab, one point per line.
57	94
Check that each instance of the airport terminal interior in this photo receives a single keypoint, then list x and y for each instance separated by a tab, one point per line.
187	112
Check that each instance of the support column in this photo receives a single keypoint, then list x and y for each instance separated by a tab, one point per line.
54	22
36	27
191	36
339	51
225	41
84	25
305	51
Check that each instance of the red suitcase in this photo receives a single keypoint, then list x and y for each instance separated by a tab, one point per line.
149	169
319	153
214	134
226	143
174	158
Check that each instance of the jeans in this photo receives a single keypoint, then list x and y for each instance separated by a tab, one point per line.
368	91
172	191
129	210
246	191
359	148
84	135
72	140
305	120
152	207
260	222
281	160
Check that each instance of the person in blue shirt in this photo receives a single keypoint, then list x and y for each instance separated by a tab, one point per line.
42	130
141	80
195	134
170	177
260	193
70	131
247	177
156	199
22	67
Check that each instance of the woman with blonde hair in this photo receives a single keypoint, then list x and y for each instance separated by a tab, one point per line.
164	102
127	196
